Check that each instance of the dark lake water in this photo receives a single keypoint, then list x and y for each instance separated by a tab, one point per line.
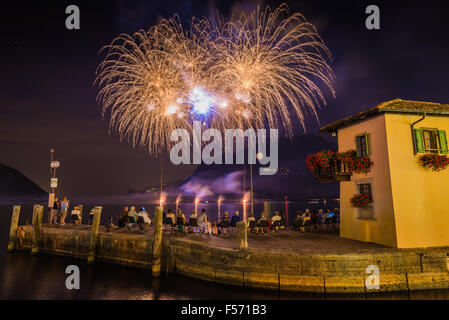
23	276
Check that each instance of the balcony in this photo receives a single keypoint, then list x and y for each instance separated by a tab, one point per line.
336	172
331	166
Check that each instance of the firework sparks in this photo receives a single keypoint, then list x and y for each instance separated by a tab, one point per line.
250	72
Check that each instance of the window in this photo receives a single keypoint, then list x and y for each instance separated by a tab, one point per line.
362	144
430	140
365	188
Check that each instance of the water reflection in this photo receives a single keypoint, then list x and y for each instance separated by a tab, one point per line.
23	276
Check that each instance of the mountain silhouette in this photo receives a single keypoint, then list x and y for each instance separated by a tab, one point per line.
14	183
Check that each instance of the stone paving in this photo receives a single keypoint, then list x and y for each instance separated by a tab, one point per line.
283	241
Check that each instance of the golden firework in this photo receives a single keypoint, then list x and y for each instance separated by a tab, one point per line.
253	71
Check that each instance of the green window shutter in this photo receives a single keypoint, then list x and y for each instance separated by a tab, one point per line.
357	146
419	140
443	141
368	143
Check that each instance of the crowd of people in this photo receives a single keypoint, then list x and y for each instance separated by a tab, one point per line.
130	217
321	220
317	221
59	210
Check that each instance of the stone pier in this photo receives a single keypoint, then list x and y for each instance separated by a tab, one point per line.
286	261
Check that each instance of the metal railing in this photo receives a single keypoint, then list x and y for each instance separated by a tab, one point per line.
337	171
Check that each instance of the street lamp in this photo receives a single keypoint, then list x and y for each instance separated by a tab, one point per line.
53	182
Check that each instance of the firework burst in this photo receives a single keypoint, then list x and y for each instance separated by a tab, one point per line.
253	71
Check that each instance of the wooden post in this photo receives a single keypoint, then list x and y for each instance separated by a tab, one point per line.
38	211
157	242
242	235
13	228
94	235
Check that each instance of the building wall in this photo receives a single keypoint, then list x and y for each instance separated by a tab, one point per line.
421	196
380	229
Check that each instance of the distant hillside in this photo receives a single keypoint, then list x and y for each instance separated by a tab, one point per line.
14	183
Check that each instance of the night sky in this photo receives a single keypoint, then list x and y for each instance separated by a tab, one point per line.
47	97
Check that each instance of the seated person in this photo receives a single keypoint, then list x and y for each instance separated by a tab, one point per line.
298	221
193	221
170	218
305	222
276	220
235	218
313	216
320	217
91	216
214	229
75	215
328	217
251	222
143	220
110	225
337	215
224	223
181	221
282	223
132	214
262	224
123	219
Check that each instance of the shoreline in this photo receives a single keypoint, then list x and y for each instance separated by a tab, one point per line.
322	263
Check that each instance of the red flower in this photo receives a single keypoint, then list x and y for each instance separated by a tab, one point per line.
361	200
436	162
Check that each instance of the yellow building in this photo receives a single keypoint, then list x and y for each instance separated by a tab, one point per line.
410	206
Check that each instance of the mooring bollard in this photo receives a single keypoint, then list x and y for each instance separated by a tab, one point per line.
38	211
157	243
80	208
13	228
242	235
94	235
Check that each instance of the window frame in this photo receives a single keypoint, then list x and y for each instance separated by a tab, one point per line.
421	141
367	138
371	207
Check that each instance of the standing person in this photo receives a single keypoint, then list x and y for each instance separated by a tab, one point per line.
54	212
64	205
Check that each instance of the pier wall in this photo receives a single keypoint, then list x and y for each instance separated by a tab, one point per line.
321	273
